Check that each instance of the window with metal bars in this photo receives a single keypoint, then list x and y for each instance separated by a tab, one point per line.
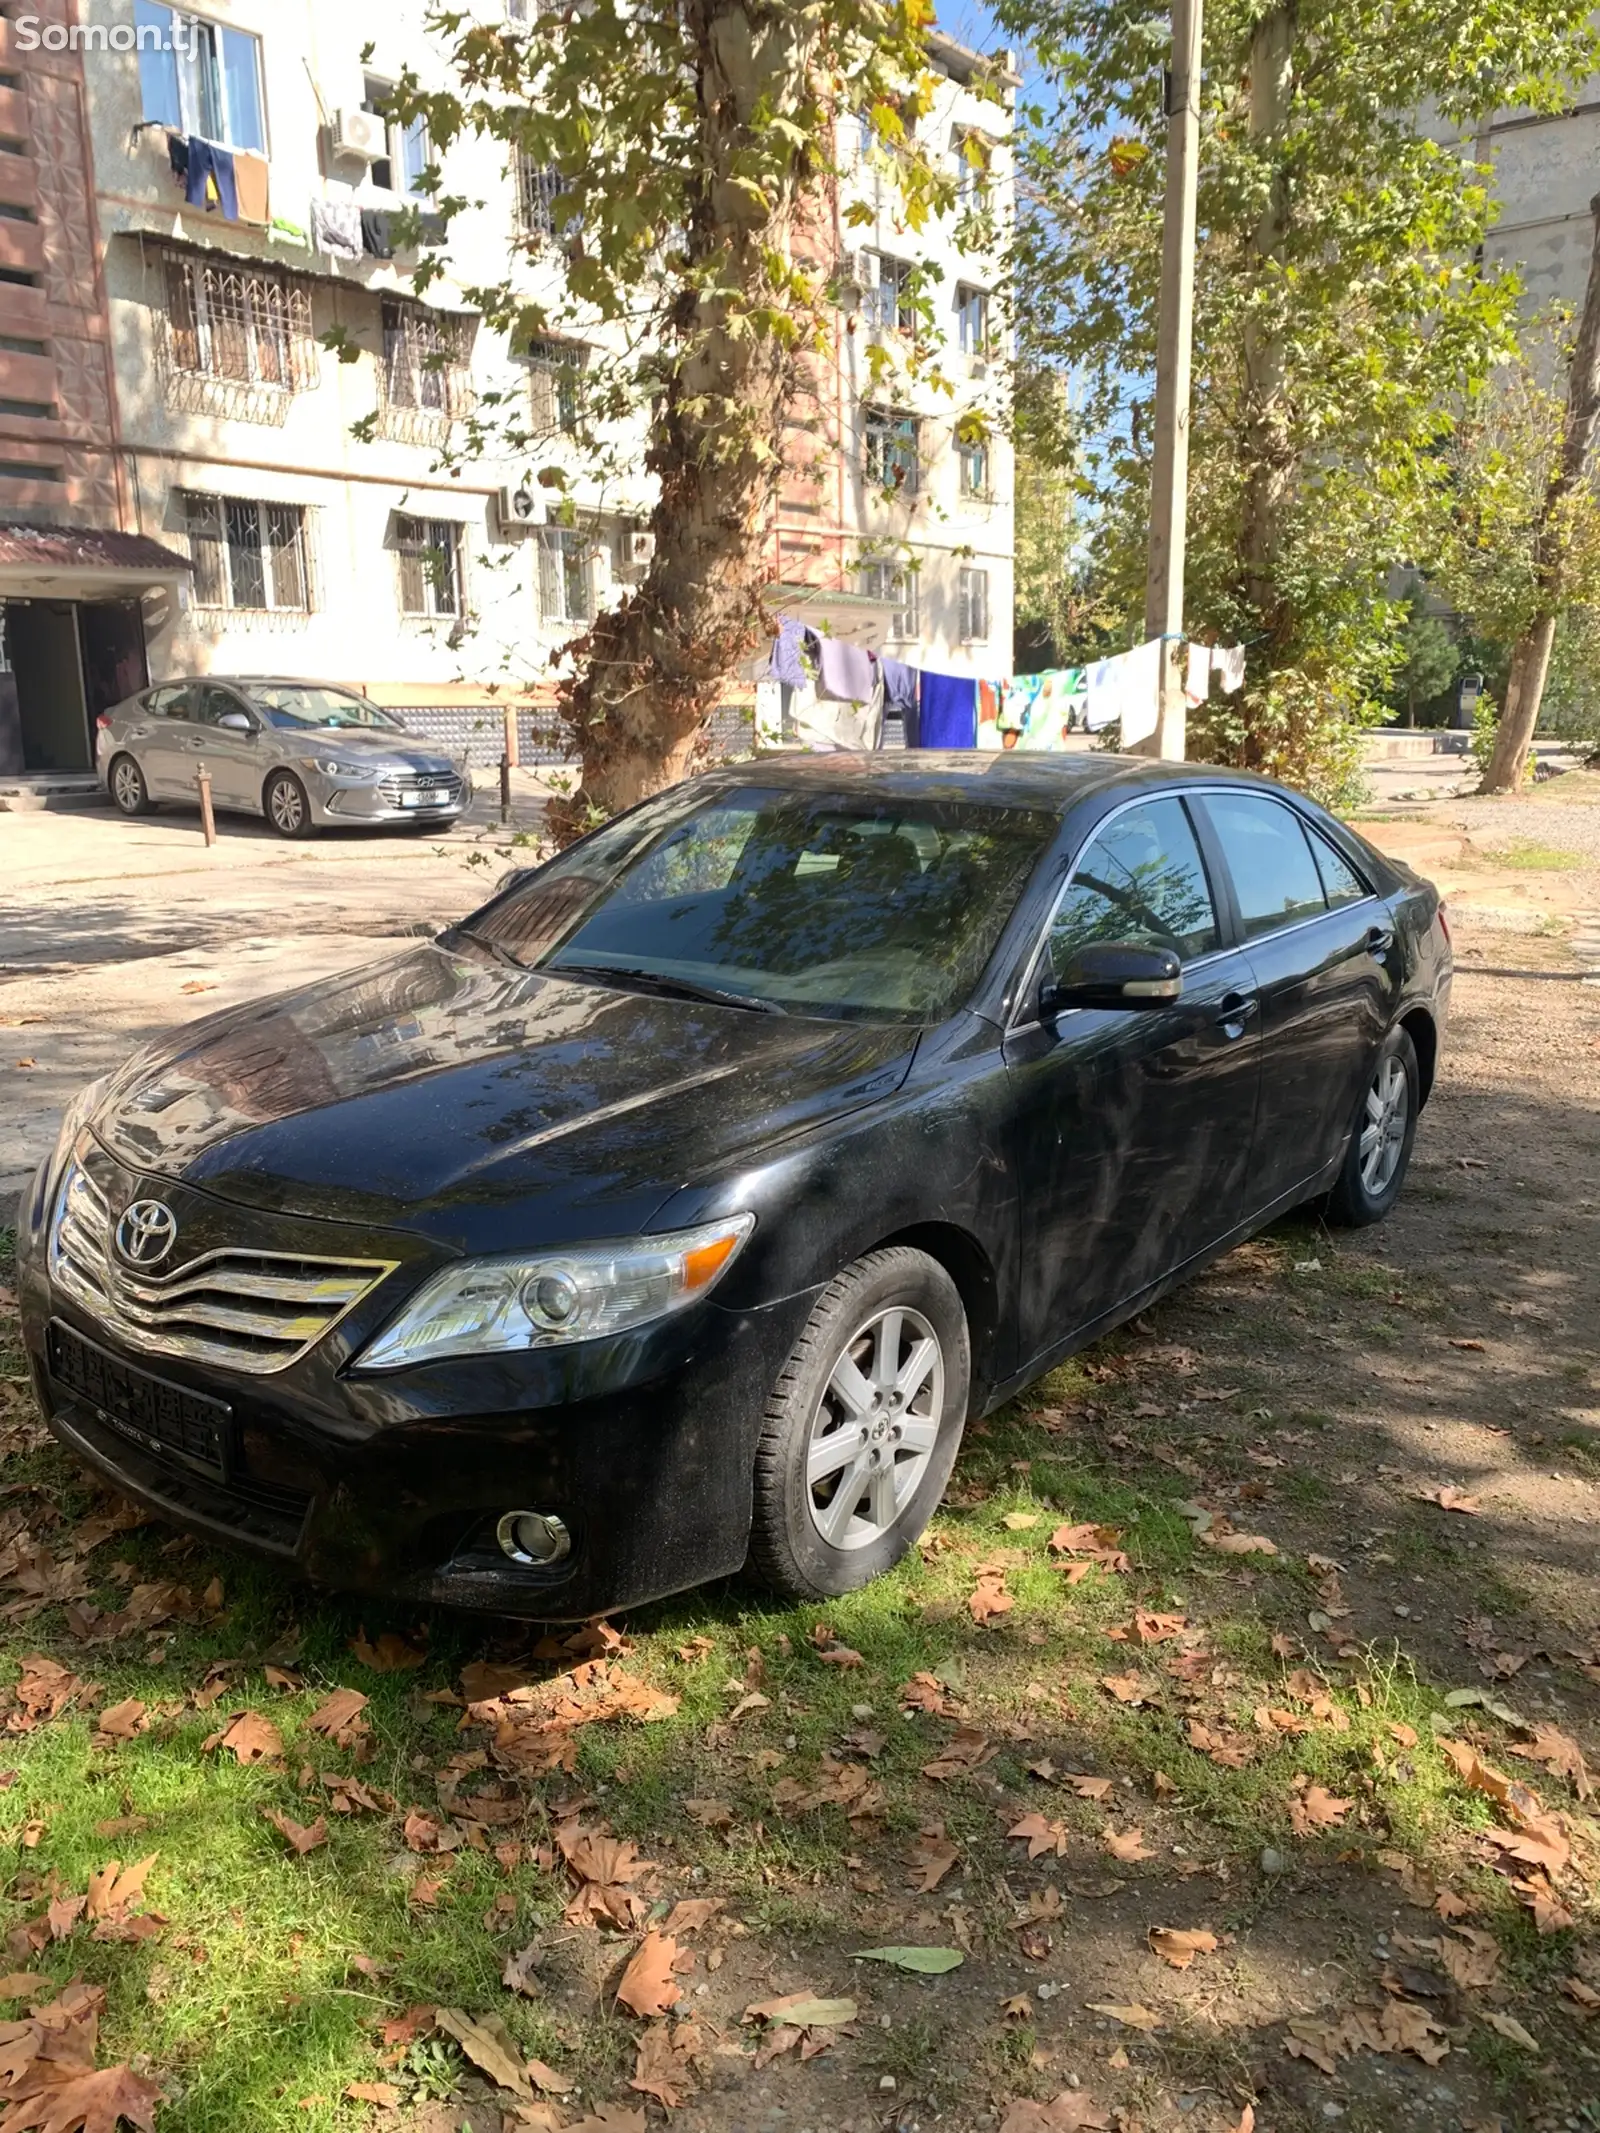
425	358
566	575
429	552
892	450
248	554
539	186
250	325
972	605
890	304
897	582
555	382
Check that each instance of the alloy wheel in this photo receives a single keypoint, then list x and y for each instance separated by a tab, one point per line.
127	786
875	1427
286	804
1383	1127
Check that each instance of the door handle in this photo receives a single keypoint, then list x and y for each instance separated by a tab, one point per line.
1235	1010
1379	940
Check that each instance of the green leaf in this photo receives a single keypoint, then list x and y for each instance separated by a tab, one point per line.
929	1962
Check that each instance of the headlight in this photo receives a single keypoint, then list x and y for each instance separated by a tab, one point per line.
78	1114
332	766
551	1299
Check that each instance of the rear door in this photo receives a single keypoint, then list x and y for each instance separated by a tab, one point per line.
1131	1127
160	741
1327	971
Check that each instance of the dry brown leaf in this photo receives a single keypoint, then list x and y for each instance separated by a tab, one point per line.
85	2103
710	1814
1019	2008
1088	1788
966	1750
298	1835
1451	1499
1095	1544
931	1858
648	1987
1073	2111
1239	1543
1126	1844
661	2068
546	2078
1558	1751
989	1599
610	2118
251	1739
121	1722
1316	1808
1179	1946
382	2093
1041	1836
690	1913
1133	2017
390	1655
1130	1688
1582	1994
520	1972
1405	1736
1469	1957
1512	2030
490	2046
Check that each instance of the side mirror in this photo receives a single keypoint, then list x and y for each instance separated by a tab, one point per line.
1113	974
234	722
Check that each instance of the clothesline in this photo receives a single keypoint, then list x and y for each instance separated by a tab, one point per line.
233	182
834	694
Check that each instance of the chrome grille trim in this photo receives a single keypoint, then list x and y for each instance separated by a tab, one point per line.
394	783
248	1310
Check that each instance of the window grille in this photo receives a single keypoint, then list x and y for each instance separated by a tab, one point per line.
248	554
973	460
897	582
972	320
539	186
566	575
555	380
429	550
425	358
248	326
890	305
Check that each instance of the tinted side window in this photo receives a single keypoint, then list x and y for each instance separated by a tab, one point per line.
1274	875
1341	884
1141	878
210	704
167	703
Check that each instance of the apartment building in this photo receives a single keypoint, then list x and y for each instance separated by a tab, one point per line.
191	482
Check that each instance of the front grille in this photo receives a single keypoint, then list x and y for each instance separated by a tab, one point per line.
395	785
149	1409
248	1310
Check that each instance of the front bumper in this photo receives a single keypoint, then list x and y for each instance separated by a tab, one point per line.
339	800
645	1447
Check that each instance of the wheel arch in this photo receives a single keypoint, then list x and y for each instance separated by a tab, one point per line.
1421	1028
968	1265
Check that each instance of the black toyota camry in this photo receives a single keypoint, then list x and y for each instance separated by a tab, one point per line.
677	1210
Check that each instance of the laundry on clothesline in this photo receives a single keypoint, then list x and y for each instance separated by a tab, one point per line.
947	711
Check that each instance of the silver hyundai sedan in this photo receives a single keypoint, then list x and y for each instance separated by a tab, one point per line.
303	753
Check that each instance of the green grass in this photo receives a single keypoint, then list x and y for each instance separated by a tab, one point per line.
1537	858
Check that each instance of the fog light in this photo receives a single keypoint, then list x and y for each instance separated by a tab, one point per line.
538	1538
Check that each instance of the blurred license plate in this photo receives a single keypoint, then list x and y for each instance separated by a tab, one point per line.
434	796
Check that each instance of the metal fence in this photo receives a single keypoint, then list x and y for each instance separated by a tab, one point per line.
479	730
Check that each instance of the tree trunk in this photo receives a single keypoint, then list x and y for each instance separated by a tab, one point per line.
1269	453
652	671
1530	660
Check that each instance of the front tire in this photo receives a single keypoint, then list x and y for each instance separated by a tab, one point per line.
1379	1154
287	805
130	795
862	1427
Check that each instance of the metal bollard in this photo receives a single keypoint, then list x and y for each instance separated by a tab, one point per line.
505	788
208	821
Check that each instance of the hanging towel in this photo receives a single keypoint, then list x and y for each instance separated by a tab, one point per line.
432	229
794	654
250	183
847	671
899	688
375	237
948	711
209	160
827	724
178	157
988	718
336	228
282	231
1123	691
1228	663
1197	674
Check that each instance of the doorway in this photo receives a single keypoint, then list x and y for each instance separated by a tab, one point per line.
111	633
66	661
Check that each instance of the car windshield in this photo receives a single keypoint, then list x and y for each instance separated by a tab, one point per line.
304	708
832	903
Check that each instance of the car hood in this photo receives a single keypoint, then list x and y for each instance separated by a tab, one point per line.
445	1094
366	749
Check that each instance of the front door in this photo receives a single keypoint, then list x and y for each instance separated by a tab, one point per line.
111	634
233	759
1322	948
42	645
1132	1126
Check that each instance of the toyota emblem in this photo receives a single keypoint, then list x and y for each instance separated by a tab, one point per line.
147	1232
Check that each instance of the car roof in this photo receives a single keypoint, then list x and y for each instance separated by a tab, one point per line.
255	681
1012	779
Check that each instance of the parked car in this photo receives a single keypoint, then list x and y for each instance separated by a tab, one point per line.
302	753
679	1208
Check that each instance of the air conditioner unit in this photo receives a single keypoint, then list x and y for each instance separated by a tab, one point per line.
862	270
361	133
638	547
977	366
520	507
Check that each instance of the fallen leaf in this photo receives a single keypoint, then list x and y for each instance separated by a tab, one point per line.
252	1739
298	1836
931	1858
382	2093
661	2066
989	1599
1134	2017
23	1985
336	1715
803	2010
121	1722
1557	1751
390	1655
1451	1499
1581	1994
1179	1946
1316	1808
1469	1957
690	1913
520	1972
966	1750
710	1814
1073	2111
1096	1886
648	1987
546	2078
1240	1543
1512	2030
1019	1521
1041	1836
1019	2008
490	2046
1095	1544
1403	1735
609	2118
1130	1688
88	2103
928	1962
840	1655
1088	1788
1126	1844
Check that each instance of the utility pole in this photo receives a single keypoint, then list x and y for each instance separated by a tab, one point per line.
1169	483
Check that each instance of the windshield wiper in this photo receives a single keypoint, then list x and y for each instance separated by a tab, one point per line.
500	954
658	981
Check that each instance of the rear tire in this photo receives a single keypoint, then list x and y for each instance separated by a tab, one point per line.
862	1427
287	805
1381	1139
130	795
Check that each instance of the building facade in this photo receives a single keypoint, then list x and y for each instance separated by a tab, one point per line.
260	504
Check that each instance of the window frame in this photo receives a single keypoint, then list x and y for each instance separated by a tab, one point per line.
570	550
1308	830
896	285
405	551
905	624
555	370
208	52
226	513
275	314
974	302
973	577
968	451
887	431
